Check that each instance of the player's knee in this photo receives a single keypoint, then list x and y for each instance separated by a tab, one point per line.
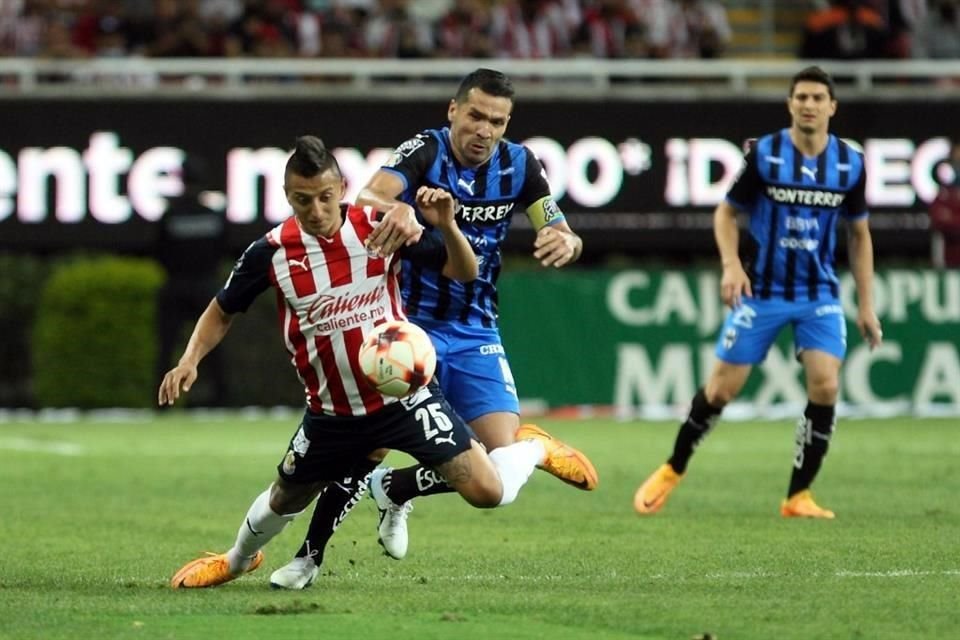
482	495
824	390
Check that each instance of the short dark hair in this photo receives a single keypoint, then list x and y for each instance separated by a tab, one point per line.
813	74
489	81
311	157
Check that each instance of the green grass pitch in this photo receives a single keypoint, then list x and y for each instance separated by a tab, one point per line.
97	516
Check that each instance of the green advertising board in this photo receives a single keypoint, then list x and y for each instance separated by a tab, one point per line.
643	340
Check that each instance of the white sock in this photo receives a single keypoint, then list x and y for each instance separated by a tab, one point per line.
514	464
258	528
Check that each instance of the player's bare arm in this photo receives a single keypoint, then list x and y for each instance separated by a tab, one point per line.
210	329
734	281
399	225
557	245
860	244
439	207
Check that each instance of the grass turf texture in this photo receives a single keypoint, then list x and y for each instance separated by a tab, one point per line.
97	517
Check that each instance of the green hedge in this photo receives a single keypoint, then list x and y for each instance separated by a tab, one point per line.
94	344
22	281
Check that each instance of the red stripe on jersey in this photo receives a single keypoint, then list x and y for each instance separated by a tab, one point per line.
375	267
301	273
338	260
372	400
328	360
301	359
360	217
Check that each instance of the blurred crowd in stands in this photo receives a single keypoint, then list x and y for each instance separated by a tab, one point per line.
524	29
864	29
520	29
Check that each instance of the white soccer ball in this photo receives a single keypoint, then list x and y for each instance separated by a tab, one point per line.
397	358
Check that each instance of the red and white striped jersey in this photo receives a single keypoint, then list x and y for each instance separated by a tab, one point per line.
330	293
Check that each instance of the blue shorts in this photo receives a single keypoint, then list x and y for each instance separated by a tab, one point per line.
423	425
749	331
472	369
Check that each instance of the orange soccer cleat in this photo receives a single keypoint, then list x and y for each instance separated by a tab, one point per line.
653	493
210	571
802	505
562	460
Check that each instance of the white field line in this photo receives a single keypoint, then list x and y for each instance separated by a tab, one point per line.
42	446
140	416
842	573
898	573
61	448
724	575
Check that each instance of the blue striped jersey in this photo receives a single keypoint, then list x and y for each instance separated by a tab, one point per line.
794	203
487	197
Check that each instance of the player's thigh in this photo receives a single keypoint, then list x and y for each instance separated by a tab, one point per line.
476	377
821	370
496	429
473	476
749	330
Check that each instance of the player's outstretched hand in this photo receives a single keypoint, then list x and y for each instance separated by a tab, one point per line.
734	285
181	377
869	326
398	227
438	206
554	247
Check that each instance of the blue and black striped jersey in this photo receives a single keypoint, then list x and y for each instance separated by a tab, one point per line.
794	204
487	197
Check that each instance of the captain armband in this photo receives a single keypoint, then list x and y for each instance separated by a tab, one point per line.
543	212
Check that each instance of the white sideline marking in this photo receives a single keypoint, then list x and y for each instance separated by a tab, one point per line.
899	573
842	573
724	575
41	446
148	450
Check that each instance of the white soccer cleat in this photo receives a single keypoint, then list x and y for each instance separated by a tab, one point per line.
297	574
393	517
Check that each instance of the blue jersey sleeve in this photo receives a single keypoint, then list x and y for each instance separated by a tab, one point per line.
411	160
856	200
250	277
429	252
535	185
748	183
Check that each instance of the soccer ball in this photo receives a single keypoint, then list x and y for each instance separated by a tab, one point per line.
397	358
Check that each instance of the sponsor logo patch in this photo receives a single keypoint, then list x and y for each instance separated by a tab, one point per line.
805	197
743	316
479	214
411	145
551	210
300	443
729	338
290	463
411	401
